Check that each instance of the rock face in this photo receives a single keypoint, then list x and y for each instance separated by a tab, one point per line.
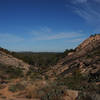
86	58
9	60
71	95
90	41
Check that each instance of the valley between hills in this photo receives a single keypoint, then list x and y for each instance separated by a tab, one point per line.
72	75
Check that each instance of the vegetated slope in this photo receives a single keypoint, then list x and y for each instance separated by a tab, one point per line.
75	77
80	70
86	58
7	59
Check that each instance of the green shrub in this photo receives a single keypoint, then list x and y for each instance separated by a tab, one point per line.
75	81
87	96
10	72
52	92
16	87
33	74
14	72
46	77
44	59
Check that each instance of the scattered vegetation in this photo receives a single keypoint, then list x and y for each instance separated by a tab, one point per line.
54	90
9	72
34	74
77	81
67	51
16	87
38	59
43	59
48	92
5	50
83	96
53	93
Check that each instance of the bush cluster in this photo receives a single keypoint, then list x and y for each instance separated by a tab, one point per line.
16	87
10	72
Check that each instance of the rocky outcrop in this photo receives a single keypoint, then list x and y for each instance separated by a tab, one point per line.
71	95
86	58
9	60
91	41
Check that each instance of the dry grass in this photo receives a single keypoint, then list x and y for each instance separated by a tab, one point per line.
32	89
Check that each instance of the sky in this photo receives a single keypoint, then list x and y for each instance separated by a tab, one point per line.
47	25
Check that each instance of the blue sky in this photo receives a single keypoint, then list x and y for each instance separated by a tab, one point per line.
47	25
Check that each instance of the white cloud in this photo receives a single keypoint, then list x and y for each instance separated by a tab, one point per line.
88	10
97	0
89	14
67	35
14	42
46	33
80	1
9	38
39	35
84	1
41	31
78	40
